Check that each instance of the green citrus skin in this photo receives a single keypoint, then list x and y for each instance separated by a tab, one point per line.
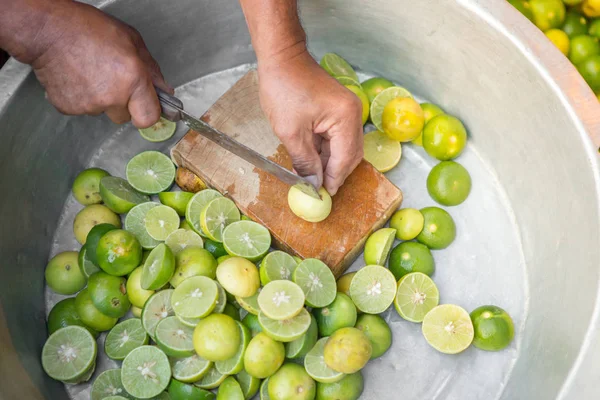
63	274
494	328
378	332
64	313
349	388
292	382
118	252
109	294
410	257
339	314
86	187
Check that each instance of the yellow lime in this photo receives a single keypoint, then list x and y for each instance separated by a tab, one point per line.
402	119
448	328
363	99
381	151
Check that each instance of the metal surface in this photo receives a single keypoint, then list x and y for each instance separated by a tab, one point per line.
528	235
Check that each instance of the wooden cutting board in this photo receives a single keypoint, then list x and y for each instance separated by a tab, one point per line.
363	204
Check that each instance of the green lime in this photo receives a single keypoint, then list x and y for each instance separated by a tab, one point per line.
343	283
346	80
86	187
193	261
449	183
69	354
118	252
408	223
444	137
381	151
251	322
315	365
136	312
339	314
402	119
378	246
135	223
146	372
248	383
91	216
264	356
90	315
239	277
115	398
364	100
276	266
378	332
316	281
374	86
350	387
217	337
107	385
195	297
300	347
215	248
439	230
158	268
291	382
119	195
64	313
590	70
160	131
247	239
286	330
191	322
373	289
85	263
235	364
211	380
250	303
183	391
182	239
124	337
583	47
185	225
575	24
190	369
63	274
174	338
216	215
494	328
196	205
523	7
264	390
161	221
150	172
230	389
381	100
416	296
411	257
221	299
448	328
337	66
547	14
429	111
281	300
109	294
348	350
93	238
594	29
137	295
157	308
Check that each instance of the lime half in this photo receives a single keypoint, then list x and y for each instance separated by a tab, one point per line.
150	172
190	369
176	200
347	81
250	304
158	268
146	372
85	263
212	379
276	266
108	384
448	328
161	221
217	214
160	131
195	297
196	205
69	354
281	300
230	389
235	364
299	347
119	195
381	100
248	383
315	366
174	338
316	281
286	330
182	239
157	308
337	66
373	289
124	337
416	296
382	152
135	223
378	246
247	239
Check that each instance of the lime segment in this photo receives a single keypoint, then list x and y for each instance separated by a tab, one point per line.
286	330
158	268
174	338
157	308
161	221
337	66
108	384
124	337
276	266
235	364
146	372
190	369
150	172
378	246
119	195
448	328
314	362
196	205
69	353
373	289
247	239
316	281
135	223
381	100
195	297
160	131
212	379
182	239
215	217
381	151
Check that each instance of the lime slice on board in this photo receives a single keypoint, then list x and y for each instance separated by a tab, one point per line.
158	268
118	195
247	239
378	246
315	366
337	66
230	389
286	330
146	372
157	308
250	304
236	363
124	337
381	151
161	221
381	100
181	239
277	265
135	223
195	207
301	346
317	281
448	328
69	353
212	379
416	296
174	338
176	200
190	369
150	172
373	289
160	131
215	217
281	300
195	297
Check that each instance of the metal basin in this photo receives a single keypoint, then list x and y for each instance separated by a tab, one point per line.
528	235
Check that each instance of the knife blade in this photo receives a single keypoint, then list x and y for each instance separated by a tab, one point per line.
172	109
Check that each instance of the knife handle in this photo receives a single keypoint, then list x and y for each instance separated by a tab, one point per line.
170	106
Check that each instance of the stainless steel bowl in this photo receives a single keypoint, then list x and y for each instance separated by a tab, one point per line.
529	234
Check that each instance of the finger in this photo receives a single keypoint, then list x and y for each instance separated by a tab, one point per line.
325	153
143	105
305	158
155	72
118	115
346	153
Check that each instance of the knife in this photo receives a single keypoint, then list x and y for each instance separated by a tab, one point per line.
172	109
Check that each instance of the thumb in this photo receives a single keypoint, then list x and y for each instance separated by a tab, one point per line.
305	158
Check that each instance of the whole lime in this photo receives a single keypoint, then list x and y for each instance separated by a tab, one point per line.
63	274
364	100
523	7
216	337
408	223
64	313
439	230
263	356
238	276
193	261
590	70
429	111
494	329
350	387
372	87
339	314
582	48
86	187
291	382
118	252
378	332
91	216
343	283
444	137
594	29
449	183
559	39
575	24
215	248
548	14
93	237
90	315
410	257
348	350
403	119
109	294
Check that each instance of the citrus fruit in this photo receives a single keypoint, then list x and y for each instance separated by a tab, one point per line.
339	314
215	248
381	151
190	369
348	350
109	294
246	239
136	312
91	216
300	347
316	281
416	296
136	294
248	383
157	308
211	380
346	80
158	268
364	100
378	246
182	239
145	372
307	207
291	382
176	200
381	100
221	299
63	274
276	266
411	257
119	195
583	47
378	332
235	364
90	315
93	238
448	328
449	183
251	322
560	39
350	387
86	265
408	223
182	391
494	328
135	223
444	137
315	365
160	222
217	337
108	384
264	390
150	172
337	66
124	337
547	14
160	131
590	70
523	7
372	87
118	252
216	215
439	230
594	29
373	289
230	389
196	205
343	283
591	8
69	354
286	330
575	24
238	276
250	303
191	322
193	261
64	313
195	297
86	187
281	300
263	356
185	225
429	111
402	119
174	338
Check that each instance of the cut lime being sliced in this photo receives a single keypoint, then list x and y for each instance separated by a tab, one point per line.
250	304
381	100
286	330
146	372
134	223
85	263
315	366
236	363
248	383
174	338
160	131
337	66
301	346
230	389
264	390
158	268
161	221
373	289
247	239
108	384
196	205
416	296
212	379
378	246
277	265
190	369
119	195
216	216
69	354
281	300
157	308
317	282
124	337
150	172
195	297
381	151
182	239
448	329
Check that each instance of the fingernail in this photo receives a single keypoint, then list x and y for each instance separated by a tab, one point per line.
314	180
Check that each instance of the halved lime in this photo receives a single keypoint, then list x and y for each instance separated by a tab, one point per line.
300	347
183	391
378	246
124	337
135	223
221	299
373	289
193	261
286	330
195	297
250	304
190	369
337	66
108	384
381	100
264	390
182	239
317	282
85	263
216	215
277	265
160	131
314	362
195	207
191	322
176	200
115	398
174	338
161	221
448	328
248	383
150	172
381	151
146	372
69	353
235	364
281	300
119	195
137	295
230	390
247	239
416	296
158	268
157	308
238	276
211	380
347	81
64	313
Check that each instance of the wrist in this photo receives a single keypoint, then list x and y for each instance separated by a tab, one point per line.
282	55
